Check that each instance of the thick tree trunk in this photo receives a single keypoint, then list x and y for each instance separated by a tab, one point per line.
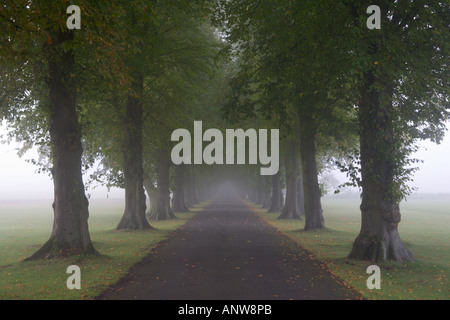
150	189
290	209
378	239
301	194
178	194
281	199
164	181
311	189
134	215
161	209
70	234
275	205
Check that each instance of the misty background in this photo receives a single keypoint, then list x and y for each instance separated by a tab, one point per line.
19	180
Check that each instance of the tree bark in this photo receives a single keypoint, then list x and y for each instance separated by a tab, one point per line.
378	239
301	194
134	215
275	205
161	209
290	209
70	233
281	199
178	194
311	189
150	189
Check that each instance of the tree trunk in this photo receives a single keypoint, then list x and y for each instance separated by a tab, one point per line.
178	195
290	209
311	189
152	196
281	199
277	194
301	194
162	209
134	215
378	239
70	234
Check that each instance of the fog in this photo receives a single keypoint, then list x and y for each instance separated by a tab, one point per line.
433	176
19	180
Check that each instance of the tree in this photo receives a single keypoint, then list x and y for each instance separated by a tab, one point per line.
291	209
187	55
276	200
287	49
179	204
133	171
404	93
70	232
41	57
160	204
165	68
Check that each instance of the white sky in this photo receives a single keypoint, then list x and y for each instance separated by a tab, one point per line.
18	179
433	175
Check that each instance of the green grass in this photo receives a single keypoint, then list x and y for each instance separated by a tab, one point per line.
424	228
25	226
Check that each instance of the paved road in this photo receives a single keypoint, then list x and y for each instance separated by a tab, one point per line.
228	253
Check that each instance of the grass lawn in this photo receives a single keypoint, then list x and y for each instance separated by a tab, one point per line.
424	228
26	225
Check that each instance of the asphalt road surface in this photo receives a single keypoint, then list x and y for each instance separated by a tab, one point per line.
227	253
